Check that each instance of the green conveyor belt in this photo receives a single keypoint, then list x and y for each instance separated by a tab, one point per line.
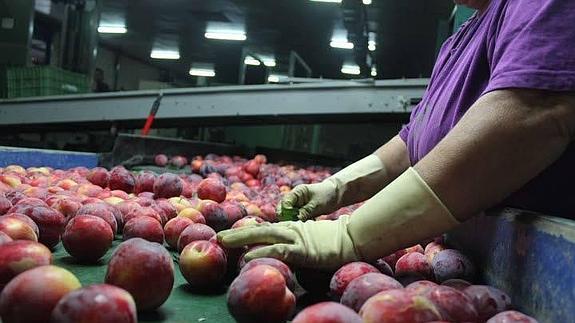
183	305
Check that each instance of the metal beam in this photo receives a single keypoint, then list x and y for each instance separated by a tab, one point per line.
313	102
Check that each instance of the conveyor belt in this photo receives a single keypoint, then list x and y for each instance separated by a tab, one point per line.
345	101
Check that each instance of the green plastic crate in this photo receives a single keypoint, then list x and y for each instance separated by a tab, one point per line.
43	81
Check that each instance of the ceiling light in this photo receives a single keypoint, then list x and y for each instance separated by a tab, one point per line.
119	29
371	45
276	78
332	1
367	2
205	72
226	35
249	60
344	44
165	54
269	62
373	71
350	69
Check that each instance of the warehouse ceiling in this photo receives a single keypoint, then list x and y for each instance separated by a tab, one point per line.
406	31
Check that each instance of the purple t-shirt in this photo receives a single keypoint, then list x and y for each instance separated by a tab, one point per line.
512	44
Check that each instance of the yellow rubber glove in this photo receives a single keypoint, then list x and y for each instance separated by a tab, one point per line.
402	214
346	187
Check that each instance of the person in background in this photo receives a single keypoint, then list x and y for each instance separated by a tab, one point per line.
99	85
495	126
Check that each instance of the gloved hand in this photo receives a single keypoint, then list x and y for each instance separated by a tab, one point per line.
405	212
352	184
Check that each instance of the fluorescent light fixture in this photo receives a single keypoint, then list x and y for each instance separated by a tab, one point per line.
350	69
373	71
110	29
205	72
332	1
276	78
226	35
249	60
371	45
343	44
273	78
269	62
367	2
165	54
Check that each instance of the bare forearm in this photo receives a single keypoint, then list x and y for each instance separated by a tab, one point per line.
502	142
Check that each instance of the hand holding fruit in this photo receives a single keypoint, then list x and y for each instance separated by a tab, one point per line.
311	200
315	244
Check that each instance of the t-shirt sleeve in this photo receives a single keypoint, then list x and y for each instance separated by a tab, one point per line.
533	46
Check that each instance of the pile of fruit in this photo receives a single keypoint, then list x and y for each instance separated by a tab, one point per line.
87	209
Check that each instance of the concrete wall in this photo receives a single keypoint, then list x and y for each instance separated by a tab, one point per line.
131	71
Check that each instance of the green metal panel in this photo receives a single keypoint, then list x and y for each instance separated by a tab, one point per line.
16	18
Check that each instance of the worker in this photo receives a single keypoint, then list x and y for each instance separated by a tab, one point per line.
497	122
99	85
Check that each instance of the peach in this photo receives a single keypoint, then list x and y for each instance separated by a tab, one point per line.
398	306
127	207
169	210
145	182
414	265
119	193
450	263
261	159
28	201
5	205
252	167
10	180
203	264
26	219
121	179
248	220
179	161
488	301
161	160
174	228
102	211
234	211
383	267
87	238
194	232
432	249
14	196
363	287
453	305
314	281
212	189
511	317
168	185
4	238
144	269
277	264
144	227
260	295
66	184
344	275
32	295
215	216
68	207
99	176
254	210
458	284
193	215
89	190
421	287
17	229
143	212
50	222
96	303
19	256
327	312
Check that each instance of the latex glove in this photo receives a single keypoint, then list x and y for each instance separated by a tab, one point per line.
346	187
402	214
